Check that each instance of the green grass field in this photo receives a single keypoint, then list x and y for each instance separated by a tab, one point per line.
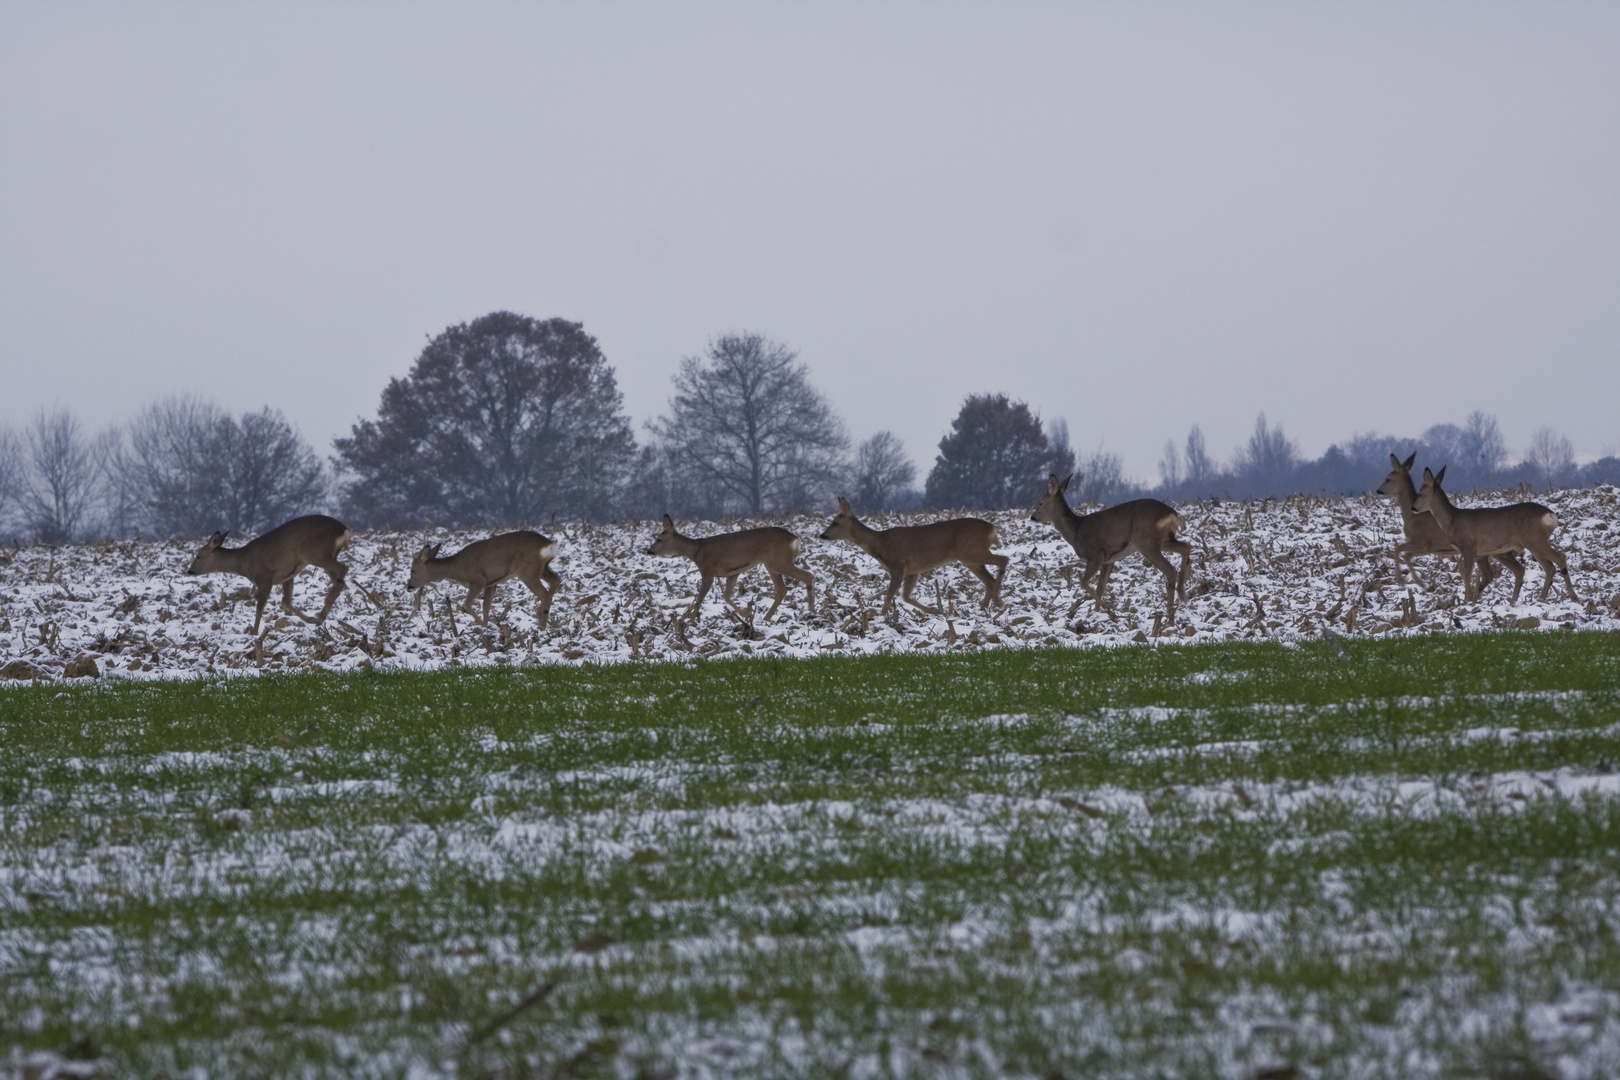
1241	860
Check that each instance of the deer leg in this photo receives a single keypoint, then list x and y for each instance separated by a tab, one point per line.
1563	568
1518	575
911	583
1102	581
532	580
1398	549
1156	558
472	594
1087	570
286	599
489	595
261	596
703	590
731	583
781	590
1000	563
338	573
981	572
809	580
894	587
1184	549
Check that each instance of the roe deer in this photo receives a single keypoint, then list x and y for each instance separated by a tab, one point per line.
1424	536
1496	530
274	558
1146	526
909	550
729	554
484	564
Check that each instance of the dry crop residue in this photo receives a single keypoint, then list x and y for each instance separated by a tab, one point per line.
1274	569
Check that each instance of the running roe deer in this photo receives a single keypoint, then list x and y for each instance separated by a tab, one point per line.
484	564
274	558
729	554
1424	536
1146	526
1496	530
907	551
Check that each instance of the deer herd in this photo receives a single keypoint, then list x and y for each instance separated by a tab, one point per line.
1148	527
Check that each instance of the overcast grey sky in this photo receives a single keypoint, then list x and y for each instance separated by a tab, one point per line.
1135	216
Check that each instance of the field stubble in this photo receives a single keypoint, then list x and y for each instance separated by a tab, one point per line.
1286	570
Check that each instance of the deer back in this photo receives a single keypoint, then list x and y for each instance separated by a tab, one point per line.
916	549
314	539
733	552
485	561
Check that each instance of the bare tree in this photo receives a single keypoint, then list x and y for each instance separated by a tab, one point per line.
1199	467
191	467
882	471
11	465
1101	479
1268	459
1550	461
1481	449
1062	449
746	424
1170	465
61	478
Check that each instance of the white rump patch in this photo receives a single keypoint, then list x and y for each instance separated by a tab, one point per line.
549	551
795	545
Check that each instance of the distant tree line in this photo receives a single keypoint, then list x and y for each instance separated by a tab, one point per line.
509	419
1476	457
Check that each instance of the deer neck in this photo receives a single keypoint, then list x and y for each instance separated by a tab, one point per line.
686	546
225	561
1406	498
868	539
1068	523
1441	508
438	568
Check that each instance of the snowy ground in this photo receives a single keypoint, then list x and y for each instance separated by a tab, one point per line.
1110	894
1283	569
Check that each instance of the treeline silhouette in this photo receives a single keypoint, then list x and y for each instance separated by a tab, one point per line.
509	419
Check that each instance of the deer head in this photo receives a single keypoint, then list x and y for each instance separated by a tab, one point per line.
205	562
1431	484
664	542
419	563
1399	471
1047	510
842	526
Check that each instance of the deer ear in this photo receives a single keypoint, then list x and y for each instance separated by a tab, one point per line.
1065	485
432	551
1441	475
669	524
843	504
1427	475
1409	460
215	540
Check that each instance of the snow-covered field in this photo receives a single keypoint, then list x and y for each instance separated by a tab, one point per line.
1284	569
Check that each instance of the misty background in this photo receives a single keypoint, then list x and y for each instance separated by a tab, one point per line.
1359	222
